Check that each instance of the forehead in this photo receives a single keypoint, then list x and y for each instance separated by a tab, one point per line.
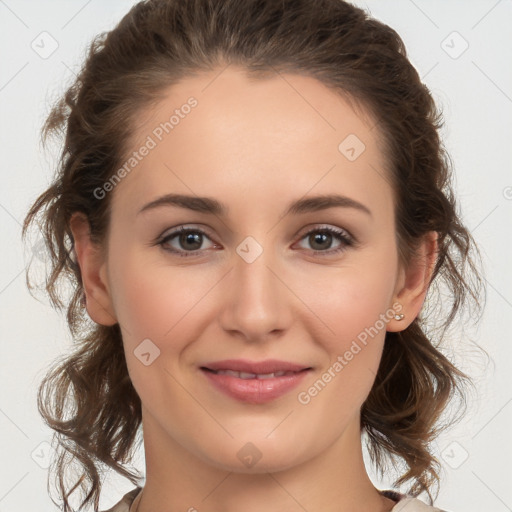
285	132
230	98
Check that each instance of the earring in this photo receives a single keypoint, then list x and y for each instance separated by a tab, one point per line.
399	316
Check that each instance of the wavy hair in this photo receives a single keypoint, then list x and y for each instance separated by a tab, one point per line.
87	397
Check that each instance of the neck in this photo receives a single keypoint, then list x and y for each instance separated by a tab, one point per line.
333	481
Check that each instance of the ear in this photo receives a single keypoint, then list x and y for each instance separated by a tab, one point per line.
412	285
93	268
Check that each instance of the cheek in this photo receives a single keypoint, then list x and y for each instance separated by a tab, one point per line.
348	302
159	302
351	331
168	306
352	310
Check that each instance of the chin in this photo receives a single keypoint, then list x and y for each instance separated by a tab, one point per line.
255	457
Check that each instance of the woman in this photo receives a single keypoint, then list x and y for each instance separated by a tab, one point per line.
294	147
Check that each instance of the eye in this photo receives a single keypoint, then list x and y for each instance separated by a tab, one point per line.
186	242
189	241
322	238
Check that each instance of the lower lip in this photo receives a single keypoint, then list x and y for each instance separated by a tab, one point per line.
255	391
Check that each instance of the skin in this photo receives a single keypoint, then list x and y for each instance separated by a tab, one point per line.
256	146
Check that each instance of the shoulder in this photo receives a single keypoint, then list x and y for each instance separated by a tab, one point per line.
405	503
409	503
124	504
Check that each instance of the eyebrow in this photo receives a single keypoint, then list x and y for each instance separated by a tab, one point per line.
211	206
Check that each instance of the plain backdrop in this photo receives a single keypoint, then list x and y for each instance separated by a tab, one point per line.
462	51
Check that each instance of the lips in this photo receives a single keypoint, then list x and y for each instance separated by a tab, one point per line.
254	382
255	367
248	375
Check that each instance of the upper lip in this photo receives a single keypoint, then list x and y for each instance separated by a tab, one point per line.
256	367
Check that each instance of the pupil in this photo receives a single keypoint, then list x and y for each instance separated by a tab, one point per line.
191	237
319	237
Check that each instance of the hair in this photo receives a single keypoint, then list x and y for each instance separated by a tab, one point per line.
87	397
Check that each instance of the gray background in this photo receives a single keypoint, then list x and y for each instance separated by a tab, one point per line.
473	86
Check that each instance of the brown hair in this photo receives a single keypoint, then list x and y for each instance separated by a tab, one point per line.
87	398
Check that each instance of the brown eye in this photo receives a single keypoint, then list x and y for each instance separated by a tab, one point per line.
321	240
188	240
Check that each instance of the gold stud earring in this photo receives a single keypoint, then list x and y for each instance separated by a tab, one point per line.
399	316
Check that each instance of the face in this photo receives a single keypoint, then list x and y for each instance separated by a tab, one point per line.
254	279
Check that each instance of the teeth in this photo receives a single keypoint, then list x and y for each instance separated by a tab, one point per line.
270	375
245	375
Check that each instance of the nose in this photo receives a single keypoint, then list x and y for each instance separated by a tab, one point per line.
257	302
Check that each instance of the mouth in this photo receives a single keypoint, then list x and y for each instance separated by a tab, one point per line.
245	366
247	375
254	382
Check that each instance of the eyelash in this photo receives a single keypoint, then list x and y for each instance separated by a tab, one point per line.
341	235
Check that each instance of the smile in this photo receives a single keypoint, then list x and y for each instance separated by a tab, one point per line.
254	388
246	375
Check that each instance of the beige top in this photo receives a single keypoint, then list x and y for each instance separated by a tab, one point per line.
404	503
